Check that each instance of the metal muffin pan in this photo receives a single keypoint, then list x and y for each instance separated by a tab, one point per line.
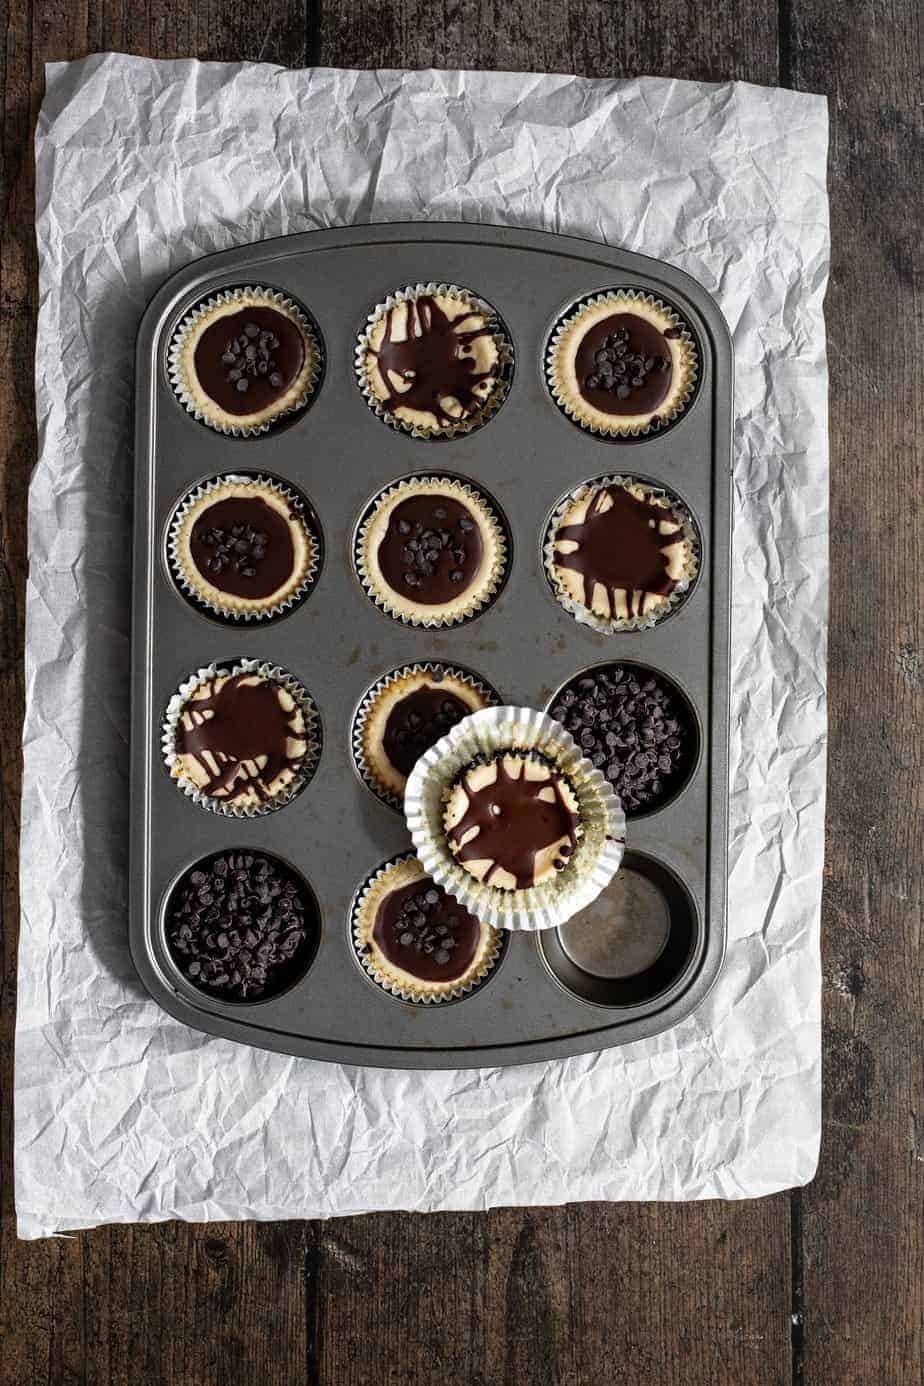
339	454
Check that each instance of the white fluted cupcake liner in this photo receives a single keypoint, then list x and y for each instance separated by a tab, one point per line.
481	595
206	488
244	294
658	495
368	700
423	994
311	735
599	850
504	368
623	300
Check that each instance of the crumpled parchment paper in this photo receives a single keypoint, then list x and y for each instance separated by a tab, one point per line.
122	1114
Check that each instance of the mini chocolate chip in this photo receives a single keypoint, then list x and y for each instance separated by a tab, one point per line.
276	380
242	385
251	329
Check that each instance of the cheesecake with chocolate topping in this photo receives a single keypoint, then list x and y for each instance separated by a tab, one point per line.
620	553
623	364
243	546
241	739
405	714
431	551
418	942
243	359
512	821
432	360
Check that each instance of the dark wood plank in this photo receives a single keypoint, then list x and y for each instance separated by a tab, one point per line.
596	38
171	1303
861	1219
579	1296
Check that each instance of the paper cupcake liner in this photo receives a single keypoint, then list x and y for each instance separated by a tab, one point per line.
358	731
480	598
504	368
228	613
598	852
311	735
561	395
617	624
270	298
425	993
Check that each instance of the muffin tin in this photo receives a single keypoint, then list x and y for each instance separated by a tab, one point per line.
547	997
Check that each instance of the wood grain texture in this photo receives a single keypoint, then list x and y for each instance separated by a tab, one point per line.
593	1294
862	1227
596	38
575	1296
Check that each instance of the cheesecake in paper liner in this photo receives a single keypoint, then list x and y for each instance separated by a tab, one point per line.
189	390
488	349
299	769
397	875
688	566
599	849
563	379
194	584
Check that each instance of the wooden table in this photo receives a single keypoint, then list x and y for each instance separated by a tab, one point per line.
821	1287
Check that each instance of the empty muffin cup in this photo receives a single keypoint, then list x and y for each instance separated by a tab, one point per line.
630	945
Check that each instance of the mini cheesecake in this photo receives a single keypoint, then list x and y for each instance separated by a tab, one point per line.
240	740
513	821
244	359
432	362
418	942
243	547
431	552
619	552
622	364
404	716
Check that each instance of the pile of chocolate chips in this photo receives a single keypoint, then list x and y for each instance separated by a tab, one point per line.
239	926
251	354
415	927
241	545
423	549
634	728
619	368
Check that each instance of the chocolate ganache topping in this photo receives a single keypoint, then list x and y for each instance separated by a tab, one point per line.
422	930
232	727
623	365
620	547
430	367
417	722
245	361
511	819
243	546
432	550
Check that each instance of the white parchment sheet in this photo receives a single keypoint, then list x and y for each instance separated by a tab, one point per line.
122	1114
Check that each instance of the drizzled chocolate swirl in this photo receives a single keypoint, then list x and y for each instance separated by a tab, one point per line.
620	549
511	819
432	366
239	735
